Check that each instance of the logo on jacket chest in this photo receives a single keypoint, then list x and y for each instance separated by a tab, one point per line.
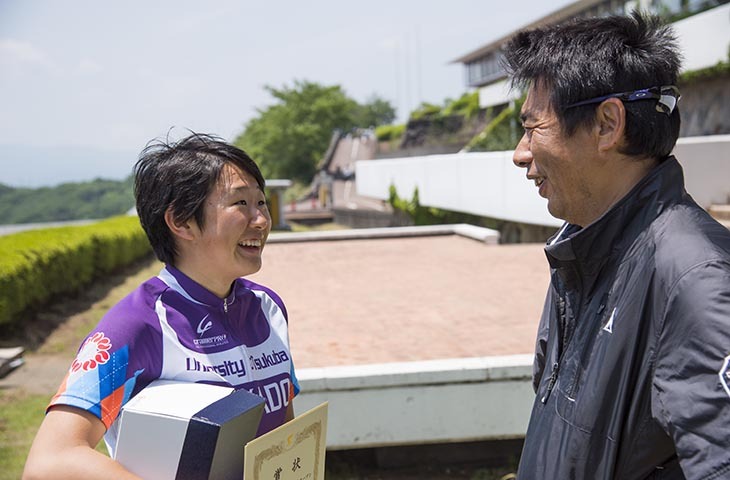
725	375
608	326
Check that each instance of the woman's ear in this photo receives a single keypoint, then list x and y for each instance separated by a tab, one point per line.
183	230
611	124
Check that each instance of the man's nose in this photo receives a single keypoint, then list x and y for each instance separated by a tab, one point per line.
522	156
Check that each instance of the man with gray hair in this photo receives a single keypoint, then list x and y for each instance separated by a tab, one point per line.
631	367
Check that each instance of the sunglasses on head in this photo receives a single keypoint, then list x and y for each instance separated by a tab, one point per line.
666	98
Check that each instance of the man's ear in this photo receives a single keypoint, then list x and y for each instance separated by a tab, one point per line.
183	230
610	123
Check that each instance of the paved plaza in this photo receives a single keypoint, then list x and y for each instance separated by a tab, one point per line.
355	302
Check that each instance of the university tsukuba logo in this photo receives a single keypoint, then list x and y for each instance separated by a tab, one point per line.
725	375
93	353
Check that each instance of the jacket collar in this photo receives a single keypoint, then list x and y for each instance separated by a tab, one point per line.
588	249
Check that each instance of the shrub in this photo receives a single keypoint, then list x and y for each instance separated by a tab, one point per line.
386	133
502	133
37	265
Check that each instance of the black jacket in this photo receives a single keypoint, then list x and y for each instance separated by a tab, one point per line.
631	365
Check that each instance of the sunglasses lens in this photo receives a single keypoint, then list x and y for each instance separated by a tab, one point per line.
667	102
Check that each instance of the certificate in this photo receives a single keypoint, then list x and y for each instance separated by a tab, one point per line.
293	451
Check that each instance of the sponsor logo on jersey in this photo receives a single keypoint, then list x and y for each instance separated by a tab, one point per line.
202	328
224	369
94	352
268	360
725	375
211	341
214	341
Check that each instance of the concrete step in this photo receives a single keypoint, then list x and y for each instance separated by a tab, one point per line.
10	359
720	212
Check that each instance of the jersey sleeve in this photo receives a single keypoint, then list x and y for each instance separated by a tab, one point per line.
294	382
691	387
113	363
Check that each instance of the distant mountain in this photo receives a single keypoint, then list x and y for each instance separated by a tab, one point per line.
41	166
69	201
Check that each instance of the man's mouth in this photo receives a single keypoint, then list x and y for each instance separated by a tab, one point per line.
253	243
539	181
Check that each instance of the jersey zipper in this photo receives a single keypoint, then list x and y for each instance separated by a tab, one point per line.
241	345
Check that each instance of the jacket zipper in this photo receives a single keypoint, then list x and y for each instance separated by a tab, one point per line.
225	305
553	379
551	382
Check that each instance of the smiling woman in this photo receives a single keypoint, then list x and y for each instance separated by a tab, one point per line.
201	203
229	241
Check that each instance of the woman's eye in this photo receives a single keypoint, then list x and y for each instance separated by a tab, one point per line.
241	202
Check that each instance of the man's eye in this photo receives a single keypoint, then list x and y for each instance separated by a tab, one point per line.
241	202
263	203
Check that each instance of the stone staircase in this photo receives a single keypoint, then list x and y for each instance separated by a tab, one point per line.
721	213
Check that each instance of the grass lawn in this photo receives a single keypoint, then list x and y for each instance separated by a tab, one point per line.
20	416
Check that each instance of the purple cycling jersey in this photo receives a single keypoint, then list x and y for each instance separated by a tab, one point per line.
172	328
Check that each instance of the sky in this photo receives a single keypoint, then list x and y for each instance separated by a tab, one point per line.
85	84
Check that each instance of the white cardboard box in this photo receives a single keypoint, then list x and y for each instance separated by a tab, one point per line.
179	430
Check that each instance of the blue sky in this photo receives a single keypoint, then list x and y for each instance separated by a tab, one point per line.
84	85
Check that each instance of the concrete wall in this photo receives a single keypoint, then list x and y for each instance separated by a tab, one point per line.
421	402
488	184
704	38
484	183
706	163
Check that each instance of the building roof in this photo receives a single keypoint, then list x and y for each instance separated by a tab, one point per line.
559	15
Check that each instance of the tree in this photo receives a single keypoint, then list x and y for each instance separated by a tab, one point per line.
375	112
288	139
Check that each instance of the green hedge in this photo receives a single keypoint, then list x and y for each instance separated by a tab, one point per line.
37	265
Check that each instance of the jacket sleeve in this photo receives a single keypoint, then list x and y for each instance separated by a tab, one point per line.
691	384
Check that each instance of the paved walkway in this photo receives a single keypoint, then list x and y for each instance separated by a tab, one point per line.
357	302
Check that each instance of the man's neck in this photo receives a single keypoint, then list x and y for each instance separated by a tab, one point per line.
626	173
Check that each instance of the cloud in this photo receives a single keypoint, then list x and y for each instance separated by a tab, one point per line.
87	66
19	54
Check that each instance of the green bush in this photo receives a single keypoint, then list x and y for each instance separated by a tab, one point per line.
426	111
720	69
37	265
502	133
422	215
467	105
386	133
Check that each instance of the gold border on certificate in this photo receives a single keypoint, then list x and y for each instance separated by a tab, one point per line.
293	451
